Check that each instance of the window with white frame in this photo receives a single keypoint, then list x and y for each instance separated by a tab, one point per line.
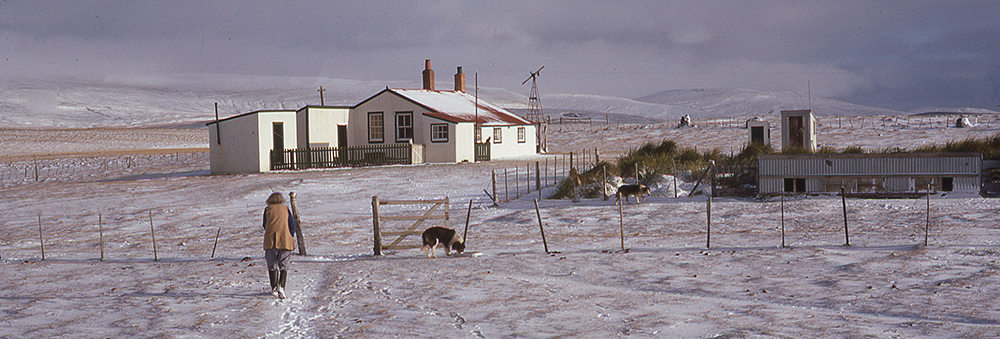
404	126
479	134
521	138
497	135
376	127
439	132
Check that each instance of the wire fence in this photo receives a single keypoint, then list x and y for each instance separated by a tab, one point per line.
670	223
76	168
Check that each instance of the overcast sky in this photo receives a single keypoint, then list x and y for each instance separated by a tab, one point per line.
893	54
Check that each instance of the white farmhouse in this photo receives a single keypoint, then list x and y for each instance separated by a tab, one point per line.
433	126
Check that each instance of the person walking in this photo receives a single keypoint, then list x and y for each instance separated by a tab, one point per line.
278	242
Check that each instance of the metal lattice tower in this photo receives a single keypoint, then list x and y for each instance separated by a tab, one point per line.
535	114
534	105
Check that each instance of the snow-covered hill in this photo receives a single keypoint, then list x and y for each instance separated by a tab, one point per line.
742	102
130	101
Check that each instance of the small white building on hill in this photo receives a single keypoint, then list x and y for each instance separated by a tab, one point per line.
435	126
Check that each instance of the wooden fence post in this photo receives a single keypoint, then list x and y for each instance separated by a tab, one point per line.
298	224
604	183
708	215
41	239
377	227
152	232
675	178
928	225
100	230
538	177
517	184
506	187
468	215
782	220
621	221
494	180
843	201
541	228
217	233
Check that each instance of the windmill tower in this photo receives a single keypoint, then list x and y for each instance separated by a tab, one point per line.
535	112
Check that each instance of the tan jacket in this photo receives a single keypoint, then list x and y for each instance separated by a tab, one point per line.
277	233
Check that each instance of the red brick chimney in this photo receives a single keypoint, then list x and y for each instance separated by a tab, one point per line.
428	75
460	80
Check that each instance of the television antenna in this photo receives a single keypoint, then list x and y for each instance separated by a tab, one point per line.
535	111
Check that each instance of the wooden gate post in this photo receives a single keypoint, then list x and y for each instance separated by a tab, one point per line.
298	224
376	228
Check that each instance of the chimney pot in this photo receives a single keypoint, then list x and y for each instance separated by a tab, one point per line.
428	75
460	80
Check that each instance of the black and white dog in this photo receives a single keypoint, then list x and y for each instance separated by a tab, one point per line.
435	236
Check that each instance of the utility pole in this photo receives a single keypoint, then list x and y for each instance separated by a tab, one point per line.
321	90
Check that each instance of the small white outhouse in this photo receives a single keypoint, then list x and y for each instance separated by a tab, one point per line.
243	143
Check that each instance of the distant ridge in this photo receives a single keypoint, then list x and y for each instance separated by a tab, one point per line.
186	100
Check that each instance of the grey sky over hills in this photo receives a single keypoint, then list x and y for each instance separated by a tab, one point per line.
894	54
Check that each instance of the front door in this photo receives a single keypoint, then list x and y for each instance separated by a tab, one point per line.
341	136
796	132
757	134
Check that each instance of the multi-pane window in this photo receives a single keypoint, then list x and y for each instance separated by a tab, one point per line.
497	135
404	126
376	127
479	134
520	135
439	132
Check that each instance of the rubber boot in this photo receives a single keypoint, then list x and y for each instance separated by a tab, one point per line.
282	276
273	276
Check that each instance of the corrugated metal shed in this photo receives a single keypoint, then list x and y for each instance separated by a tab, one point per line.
896	172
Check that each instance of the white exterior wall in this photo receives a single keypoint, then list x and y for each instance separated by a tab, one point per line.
463	135
509	147
322	125
388	104
247	142
239	146
266	140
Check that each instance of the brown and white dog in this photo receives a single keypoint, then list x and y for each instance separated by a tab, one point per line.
435	236
637	191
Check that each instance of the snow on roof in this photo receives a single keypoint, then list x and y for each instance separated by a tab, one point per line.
456	107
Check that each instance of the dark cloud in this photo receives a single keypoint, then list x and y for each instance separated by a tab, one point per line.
895	54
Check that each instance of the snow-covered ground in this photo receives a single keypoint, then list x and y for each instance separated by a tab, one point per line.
142	166
668	284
